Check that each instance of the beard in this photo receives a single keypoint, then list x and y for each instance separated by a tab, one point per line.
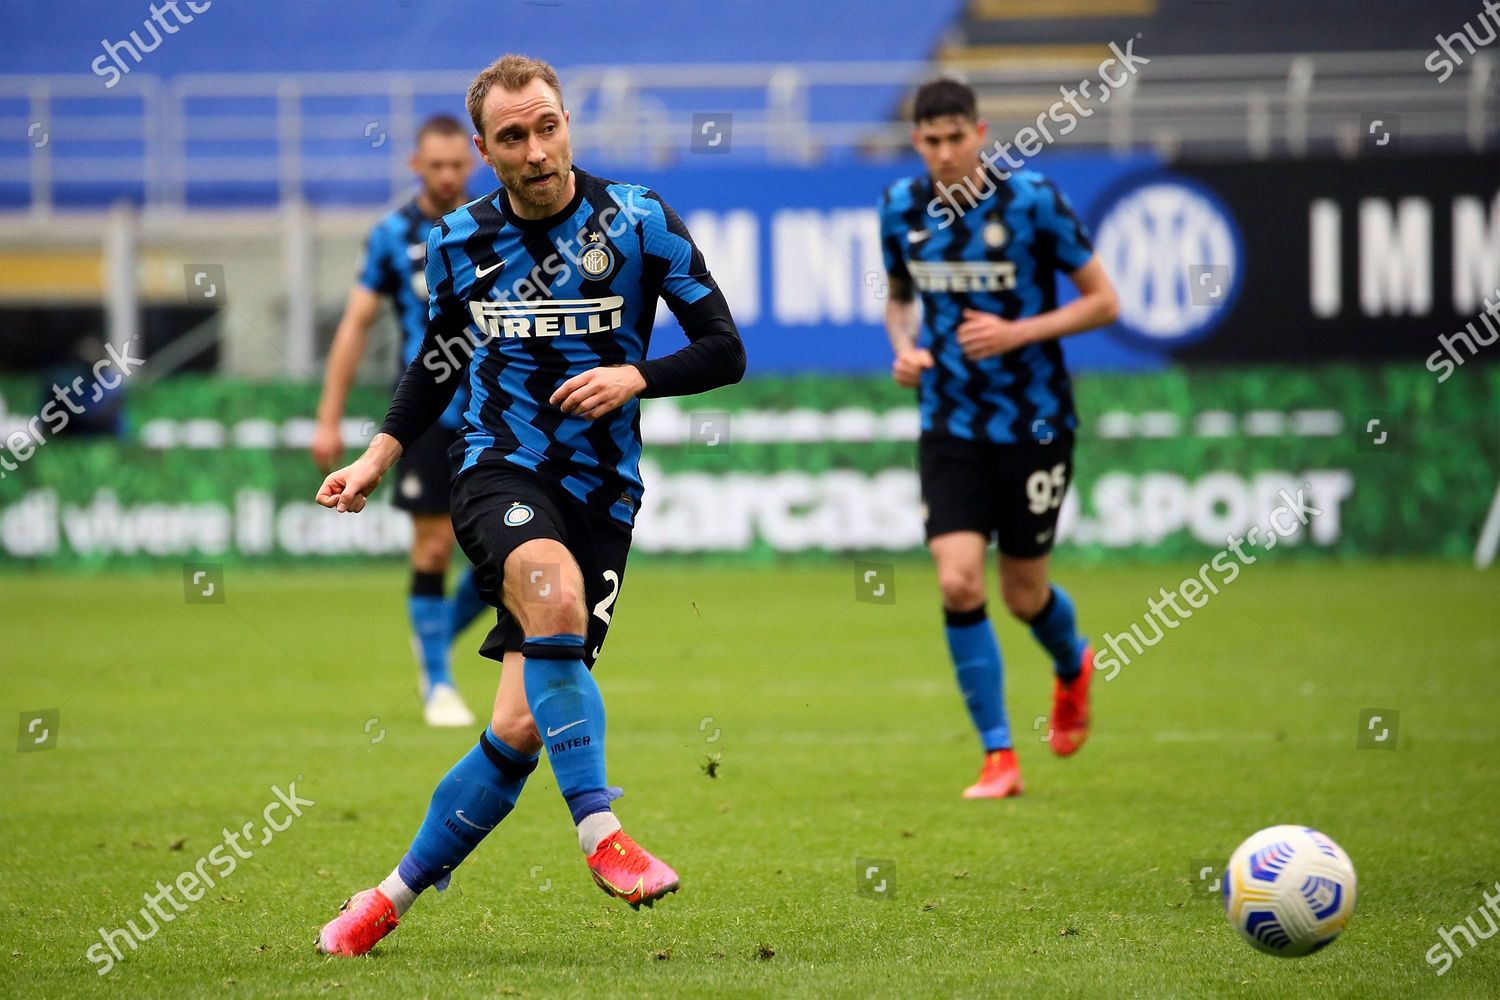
539	196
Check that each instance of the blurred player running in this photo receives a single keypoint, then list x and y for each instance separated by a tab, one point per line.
996	448
555	277
395	267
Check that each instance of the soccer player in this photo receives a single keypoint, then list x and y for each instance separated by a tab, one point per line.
981	245
394	267
554	278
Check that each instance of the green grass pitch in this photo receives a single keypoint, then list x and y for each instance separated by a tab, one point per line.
837	734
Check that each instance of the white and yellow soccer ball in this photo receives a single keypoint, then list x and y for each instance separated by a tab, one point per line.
1289	890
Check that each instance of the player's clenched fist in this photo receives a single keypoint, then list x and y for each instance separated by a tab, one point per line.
908	366
599	391
984	335
346	490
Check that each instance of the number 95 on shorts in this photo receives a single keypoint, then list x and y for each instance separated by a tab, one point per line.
1007	492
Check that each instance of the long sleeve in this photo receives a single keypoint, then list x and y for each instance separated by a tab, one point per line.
433	377
429	383
715	354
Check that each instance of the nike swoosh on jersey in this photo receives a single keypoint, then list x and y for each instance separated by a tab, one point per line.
480	272
562	729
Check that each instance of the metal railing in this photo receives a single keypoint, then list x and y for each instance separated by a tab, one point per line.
265	138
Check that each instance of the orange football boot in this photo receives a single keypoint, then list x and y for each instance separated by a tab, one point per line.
625	869
1000	778
363	920
1070	709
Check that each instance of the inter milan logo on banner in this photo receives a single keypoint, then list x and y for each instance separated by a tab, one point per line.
1174	251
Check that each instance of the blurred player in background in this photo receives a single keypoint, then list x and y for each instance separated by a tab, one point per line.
395	267
554	277
981	246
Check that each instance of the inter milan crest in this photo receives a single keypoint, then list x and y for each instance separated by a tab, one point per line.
596	259
994	232
518	514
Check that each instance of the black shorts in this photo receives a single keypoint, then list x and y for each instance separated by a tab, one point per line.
424	476
1008	492
497	506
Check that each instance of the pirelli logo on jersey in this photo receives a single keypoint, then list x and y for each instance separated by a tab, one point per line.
549	318
963	275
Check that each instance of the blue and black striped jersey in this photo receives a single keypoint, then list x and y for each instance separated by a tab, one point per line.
395	266
1001	256
541	301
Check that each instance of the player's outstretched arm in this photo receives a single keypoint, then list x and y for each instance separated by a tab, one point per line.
442	362
348	347
424	392
429	382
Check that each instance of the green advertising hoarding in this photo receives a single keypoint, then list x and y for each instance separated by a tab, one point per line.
1379	461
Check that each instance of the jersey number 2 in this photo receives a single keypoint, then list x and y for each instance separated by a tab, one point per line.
601	610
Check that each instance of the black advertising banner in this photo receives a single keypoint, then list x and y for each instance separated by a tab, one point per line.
1368	259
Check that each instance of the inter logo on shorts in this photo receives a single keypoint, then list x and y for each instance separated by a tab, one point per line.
518	515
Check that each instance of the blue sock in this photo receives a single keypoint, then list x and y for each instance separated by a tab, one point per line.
432	623
466	603
471	800
981	674
1056	628
569	713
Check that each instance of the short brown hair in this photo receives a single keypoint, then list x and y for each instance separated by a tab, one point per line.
511	72
440	125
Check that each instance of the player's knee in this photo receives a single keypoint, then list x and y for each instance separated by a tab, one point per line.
544	589
962	588
1024	600
431	550
563	616
516	728
550	604
430	559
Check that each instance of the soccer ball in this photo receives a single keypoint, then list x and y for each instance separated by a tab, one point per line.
1289	890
